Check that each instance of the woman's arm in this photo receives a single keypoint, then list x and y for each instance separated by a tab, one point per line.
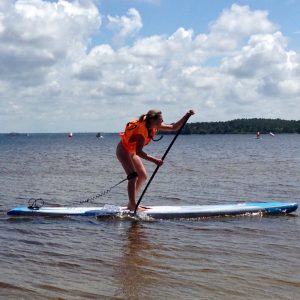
144	155
178	124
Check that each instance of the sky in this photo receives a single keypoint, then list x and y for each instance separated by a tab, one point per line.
93	65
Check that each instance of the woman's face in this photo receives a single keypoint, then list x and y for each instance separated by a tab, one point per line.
157	120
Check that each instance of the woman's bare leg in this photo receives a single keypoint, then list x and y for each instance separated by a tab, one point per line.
140	169
125	159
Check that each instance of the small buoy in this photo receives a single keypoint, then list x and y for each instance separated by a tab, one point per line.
70	134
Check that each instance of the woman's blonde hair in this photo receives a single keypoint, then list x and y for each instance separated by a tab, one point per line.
152	114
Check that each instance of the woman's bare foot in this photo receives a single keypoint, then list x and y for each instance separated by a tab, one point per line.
140	208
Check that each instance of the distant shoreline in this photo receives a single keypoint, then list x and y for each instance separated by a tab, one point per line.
237	126
244	126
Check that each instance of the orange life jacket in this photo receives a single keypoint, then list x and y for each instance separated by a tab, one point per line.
133	128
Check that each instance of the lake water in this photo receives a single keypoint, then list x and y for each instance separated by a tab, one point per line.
249	257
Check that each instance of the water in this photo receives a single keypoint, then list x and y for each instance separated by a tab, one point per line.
85	258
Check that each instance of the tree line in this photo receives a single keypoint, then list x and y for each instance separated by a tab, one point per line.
243	126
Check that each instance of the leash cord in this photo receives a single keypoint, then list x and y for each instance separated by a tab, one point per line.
37	203
129	177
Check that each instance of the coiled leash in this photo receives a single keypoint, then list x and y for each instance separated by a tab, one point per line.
129	177
35	203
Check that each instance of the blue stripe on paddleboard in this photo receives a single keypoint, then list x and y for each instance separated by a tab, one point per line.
275	207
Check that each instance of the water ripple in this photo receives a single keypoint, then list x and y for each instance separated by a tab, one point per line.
244	257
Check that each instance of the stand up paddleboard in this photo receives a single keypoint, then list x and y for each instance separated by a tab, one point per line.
161	212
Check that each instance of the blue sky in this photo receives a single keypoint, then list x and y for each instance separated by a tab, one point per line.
93	65
166	16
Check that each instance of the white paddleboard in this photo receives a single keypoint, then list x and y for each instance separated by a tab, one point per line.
161	212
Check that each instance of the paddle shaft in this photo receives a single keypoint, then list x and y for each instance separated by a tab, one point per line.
156	169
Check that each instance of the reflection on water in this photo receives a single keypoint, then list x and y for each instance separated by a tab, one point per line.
134	271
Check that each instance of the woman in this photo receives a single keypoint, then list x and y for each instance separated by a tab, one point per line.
139	133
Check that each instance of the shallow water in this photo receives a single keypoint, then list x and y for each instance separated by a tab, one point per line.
250	257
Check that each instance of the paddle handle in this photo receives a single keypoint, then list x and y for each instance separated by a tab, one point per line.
156	169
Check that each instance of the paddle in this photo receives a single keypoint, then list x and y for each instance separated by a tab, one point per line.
156	169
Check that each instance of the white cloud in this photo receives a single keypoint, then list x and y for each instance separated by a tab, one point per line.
242	67
38	40
264	54
125	26
241	21
234	26
37	36
266	61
